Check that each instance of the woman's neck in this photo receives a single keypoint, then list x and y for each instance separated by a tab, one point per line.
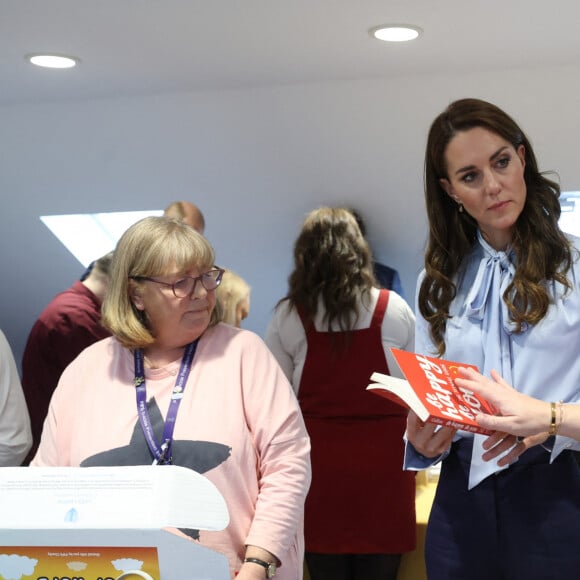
158	357
499	241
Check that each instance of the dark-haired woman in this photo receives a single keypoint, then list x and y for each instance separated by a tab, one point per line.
330	333
500	291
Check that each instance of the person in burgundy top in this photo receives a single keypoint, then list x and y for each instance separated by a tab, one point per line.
68	324
333	329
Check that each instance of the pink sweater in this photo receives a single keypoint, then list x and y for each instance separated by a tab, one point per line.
239	424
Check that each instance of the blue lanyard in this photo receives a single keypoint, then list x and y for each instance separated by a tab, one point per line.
161	453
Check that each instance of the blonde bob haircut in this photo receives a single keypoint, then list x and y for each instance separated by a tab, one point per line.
232	290
154	246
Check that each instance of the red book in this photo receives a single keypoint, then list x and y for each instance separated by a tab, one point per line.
430	391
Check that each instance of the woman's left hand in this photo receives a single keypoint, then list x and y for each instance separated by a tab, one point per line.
250	571
498	443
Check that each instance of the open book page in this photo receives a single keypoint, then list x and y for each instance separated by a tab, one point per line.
399	391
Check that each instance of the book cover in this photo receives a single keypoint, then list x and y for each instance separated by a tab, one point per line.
430	391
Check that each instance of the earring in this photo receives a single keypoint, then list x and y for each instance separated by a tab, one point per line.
460	207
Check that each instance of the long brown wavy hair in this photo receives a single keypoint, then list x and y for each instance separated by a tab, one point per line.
332	261
542	250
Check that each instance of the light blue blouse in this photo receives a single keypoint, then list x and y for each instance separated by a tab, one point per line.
542	361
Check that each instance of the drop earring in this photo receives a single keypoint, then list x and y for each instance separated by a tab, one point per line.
460	207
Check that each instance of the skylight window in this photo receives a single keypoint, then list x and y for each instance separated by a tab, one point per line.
89	236
570	217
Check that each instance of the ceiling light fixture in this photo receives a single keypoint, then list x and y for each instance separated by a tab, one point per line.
396	32
52	60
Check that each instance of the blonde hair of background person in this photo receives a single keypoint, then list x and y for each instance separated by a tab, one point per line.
233	296
186	212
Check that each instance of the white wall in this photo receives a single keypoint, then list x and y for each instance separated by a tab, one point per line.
255	161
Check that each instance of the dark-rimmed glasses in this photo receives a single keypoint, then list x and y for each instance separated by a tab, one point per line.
185	287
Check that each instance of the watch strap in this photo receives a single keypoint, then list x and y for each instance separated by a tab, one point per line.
270	567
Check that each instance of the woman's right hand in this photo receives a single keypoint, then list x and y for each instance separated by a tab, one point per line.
517	413
428	439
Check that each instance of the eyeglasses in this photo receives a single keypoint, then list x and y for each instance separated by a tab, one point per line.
185	287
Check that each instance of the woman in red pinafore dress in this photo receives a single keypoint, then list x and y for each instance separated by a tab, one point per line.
360	511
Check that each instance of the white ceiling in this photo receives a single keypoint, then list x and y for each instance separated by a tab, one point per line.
143	47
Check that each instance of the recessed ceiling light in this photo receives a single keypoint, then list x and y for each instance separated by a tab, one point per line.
52	60
396	32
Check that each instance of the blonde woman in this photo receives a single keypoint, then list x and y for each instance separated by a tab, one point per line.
233	297
237	420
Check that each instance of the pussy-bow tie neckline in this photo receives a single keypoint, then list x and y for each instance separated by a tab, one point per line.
494	275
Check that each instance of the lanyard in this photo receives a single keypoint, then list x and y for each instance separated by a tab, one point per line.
161	453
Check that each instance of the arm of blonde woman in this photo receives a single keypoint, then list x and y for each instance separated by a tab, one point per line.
519	414
252	570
